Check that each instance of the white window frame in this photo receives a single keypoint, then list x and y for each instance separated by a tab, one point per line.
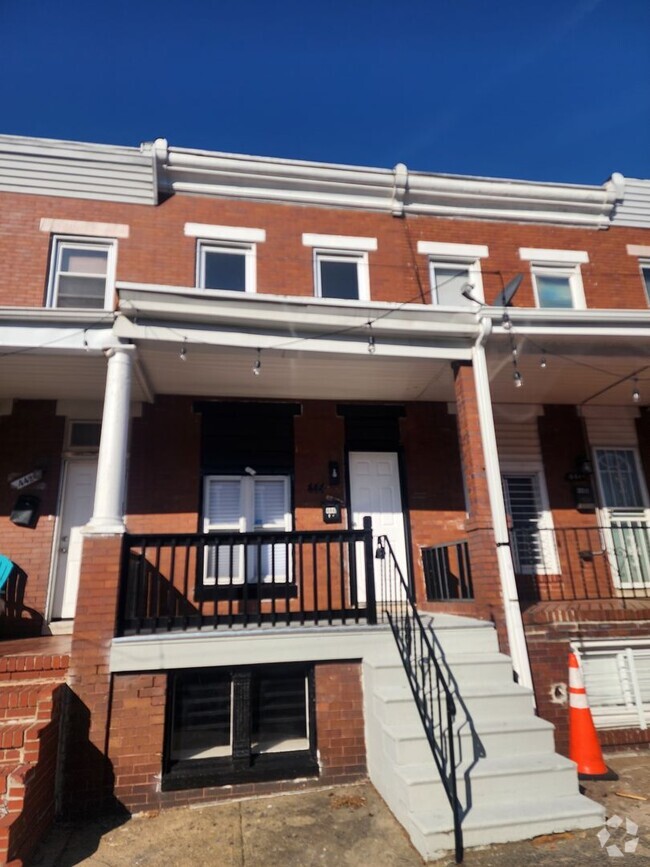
248	251
351	248
363	277
644	268
447	255
551	562
557	263
59	243
635	712
246	520
607	514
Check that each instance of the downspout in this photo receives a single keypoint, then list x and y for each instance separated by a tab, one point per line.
514	623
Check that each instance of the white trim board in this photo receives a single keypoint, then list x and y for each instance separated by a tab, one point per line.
84	228
554	257
210	232
340	242
461	251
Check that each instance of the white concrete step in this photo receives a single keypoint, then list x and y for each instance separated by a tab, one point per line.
528	735
507	777
461	634
467	669
503	822
395	704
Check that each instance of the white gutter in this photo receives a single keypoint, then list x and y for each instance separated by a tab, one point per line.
514	623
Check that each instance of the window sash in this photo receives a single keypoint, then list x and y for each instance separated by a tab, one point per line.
548	279
360	263
447	281
81	288
262	564
245	251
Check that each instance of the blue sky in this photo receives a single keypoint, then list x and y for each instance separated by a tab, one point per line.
556	90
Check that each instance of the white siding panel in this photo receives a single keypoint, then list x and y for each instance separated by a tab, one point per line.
634	210
78	170
612	431
518	442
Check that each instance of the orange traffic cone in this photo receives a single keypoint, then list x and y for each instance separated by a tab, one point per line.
584	747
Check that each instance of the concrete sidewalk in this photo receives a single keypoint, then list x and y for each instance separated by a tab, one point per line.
334	828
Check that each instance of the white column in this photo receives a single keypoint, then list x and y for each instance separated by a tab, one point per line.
514	623
108	511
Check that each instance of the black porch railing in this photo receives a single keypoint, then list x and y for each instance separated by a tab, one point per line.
432	694
195	581
447	571
583	563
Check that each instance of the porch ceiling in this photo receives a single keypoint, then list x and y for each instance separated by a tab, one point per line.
228	371
590	370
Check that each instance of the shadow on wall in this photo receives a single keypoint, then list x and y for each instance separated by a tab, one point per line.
17	620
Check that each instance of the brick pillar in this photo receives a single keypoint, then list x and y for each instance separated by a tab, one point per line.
87	772
488	603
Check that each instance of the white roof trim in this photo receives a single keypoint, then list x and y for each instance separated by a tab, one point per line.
453	251
339	242
83	227
564	257
225	233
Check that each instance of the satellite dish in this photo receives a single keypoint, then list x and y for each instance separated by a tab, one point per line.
504	298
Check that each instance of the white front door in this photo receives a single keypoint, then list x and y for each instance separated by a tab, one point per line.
79	480
375	491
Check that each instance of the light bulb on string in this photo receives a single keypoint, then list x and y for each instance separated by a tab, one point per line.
183	353
507	324
257	367
636	395
372	348
517	379
542	361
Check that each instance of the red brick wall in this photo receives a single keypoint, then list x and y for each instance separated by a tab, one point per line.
137	738
158	252
548	648
31	437
319	438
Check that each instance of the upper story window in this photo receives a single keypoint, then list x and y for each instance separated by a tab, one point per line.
645	274
557	281
226	256
341	266
453	269
82	273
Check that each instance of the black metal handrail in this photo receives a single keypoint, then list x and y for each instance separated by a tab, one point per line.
432	694
600	562
447	571
190	581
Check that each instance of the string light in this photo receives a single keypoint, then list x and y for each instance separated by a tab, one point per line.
636	396
506	322
371	340
517	378
183	353
257	367
542	361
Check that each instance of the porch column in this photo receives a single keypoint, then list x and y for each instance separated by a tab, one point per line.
108	510
514	622
487	514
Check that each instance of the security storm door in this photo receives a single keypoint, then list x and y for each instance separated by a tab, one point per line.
247	504
375	491
625	516
79	481
533	545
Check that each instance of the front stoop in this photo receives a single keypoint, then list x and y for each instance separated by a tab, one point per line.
511	783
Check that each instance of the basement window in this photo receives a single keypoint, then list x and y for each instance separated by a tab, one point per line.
240	725
617	679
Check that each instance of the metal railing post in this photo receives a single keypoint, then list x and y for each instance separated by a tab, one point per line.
369	563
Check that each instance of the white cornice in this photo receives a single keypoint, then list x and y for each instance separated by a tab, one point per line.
396	191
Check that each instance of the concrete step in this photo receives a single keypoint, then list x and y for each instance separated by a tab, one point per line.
506	777
466	669
527	735
395	704
460	634
432	832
